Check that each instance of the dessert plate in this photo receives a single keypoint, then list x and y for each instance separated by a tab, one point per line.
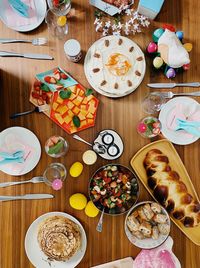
114	66
193	233
35	254
40	10
20	138
182	108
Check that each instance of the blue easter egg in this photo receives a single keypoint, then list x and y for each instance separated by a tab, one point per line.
179	34
157	34
171	73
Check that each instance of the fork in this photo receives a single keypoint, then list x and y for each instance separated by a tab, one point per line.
33	180
37	109
36	41
169	95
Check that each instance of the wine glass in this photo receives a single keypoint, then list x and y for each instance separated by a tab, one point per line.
60	7
153	103
54	175
54	25
56	146
149	127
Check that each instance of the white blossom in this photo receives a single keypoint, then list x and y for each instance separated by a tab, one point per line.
119	25
128	12
108	24
131	21
96	21
114	27
117	33
105	32
136	26
99	25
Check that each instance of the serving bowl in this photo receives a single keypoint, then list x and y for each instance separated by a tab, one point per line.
114	188
147	225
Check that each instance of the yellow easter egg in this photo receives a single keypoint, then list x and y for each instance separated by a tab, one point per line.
76	169
78	201
61	21
91	210
188	47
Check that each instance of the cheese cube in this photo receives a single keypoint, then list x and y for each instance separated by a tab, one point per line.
55	106
81	92
70	105
62	109
76	110
90	121
90	97
83	123
92	109
59	100
72	97
76	102
85	101
70	113
90	115
81	116
73	89
73	129
67	119
93	102
84	112
83	107
59	118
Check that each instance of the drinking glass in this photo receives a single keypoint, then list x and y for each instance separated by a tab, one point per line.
59	7
56	146
54	175
52	22
153	103
149	127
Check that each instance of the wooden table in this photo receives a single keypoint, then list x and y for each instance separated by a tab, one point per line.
120	114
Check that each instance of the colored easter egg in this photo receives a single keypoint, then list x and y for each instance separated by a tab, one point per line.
157	62
169	27
57	184
170	73
186	67
141	127
179	34
188	47
157	34
78	201
152	47
91	210
76	169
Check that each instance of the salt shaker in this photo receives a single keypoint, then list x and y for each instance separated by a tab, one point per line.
72	50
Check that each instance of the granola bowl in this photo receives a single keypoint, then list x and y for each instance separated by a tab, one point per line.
147	225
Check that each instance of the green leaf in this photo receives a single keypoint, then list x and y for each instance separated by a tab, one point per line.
76	121
56	148
65	94
45	88
89	92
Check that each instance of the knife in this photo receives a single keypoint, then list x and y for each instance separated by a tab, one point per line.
172	85
26	55
25	197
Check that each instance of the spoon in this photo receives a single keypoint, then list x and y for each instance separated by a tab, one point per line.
100	223
98	148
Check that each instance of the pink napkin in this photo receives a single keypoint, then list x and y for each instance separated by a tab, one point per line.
11	144
179	112
15	20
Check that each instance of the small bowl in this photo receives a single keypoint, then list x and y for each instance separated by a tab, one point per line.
128	205
146	243
54	175
56	146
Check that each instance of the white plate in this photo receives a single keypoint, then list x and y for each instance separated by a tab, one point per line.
29	138
88	60
41	8
35	254
147	243
178	137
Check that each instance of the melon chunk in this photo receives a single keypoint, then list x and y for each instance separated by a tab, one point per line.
62	109
59	118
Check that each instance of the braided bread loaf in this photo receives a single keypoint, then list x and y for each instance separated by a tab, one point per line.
169	190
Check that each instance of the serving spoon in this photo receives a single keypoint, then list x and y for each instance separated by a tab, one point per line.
98	148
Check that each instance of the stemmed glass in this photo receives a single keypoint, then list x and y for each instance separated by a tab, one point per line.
153	103
60	7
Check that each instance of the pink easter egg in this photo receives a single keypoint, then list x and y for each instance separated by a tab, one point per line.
152	47
170	73
186	67
57	184
141	127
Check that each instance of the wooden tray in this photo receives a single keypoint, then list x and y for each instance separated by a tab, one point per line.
193	233
122	263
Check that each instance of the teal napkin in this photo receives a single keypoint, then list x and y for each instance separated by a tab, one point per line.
19	7
191	127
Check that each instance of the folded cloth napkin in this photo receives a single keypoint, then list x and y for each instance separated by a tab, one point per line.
14	19
184	113
191	127
20	7
13	145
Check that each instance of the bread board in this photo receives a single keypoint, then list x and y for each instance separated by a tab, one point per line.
176	164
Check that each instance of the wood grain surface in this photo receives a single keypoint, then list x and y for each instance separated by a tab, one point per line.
121	114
